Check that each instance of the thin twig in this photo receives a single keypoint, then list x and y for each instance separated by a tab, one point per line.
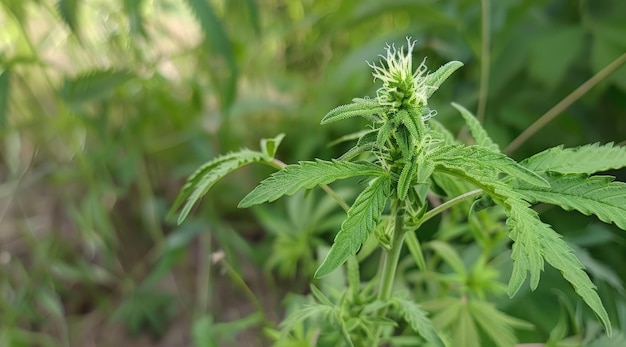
564	104
485	60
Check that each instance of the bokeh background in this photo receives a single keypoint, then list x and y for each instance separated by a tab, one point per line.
106	106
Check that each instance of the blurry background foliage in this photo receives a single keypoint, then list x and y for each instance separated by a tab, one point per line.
107	105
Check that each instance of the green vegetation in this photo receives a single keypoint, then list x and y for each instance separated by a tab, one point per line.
107	105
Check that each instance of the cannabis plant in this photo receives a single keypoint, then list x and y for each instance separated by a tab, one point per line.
413	169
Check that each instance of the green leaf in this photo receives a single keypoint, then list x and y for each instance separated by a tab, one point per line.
135	17
5	78
413	122
415	249
497	325
597	195
366	108
449	255
199	183
417	319
534	240
93	85
435	79
478	132
253	9
68	9
586	159
481	165
406	178
440	132
464	333
203	332
306	175
218	42
269	146
362	218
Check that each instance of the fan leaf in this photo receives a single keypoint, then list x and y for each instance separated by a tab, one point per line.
535	240
586	159
597	195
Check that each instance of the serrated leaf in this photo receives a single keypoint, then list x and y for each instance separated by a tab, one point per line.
93	85
199	183
440	132
413	122
478	132
404	141
586	159
481	165
406	178
384	133
526	249
418	320
534	239
366	108
270	146
363	216
306	175
597	195
435	79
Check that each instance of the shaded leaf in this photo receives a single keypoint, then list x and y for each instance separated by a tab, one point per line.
534	240
93	85
417	319
497	325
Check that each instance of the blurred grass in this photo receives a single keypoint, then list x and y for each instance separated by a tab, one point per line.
107	105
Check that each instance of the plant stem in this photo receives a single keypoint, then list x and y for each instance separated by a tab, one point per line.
564	104
390	260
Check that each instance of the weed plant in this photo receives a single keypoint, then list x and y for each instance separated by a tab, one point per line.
413	170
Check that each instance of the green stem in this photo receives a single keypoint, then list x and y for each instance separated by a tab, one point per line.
390	260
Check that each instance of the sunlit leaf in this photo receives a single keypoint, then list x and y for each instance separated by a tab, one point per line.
362	218
306	175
